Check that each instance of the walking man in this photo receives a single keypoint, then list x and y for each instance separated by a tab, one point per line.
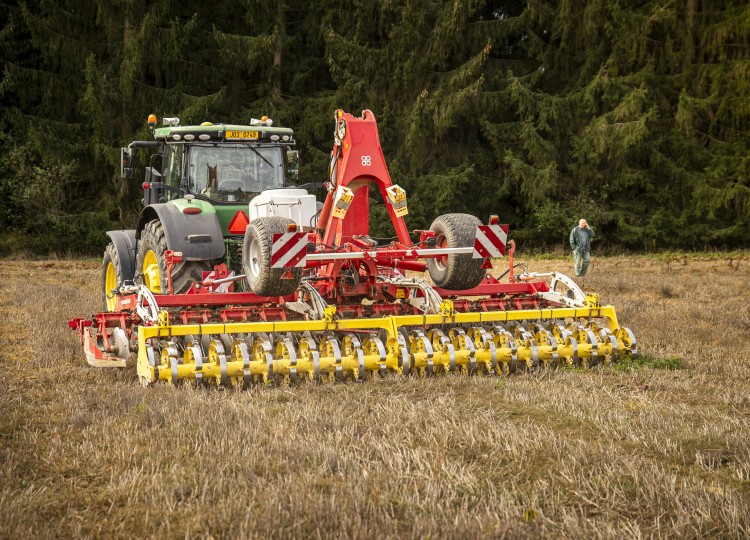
581	246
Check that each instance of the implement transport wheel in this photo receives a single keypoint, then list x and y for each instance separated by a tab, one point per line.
455	272
151	264
111	277
256	259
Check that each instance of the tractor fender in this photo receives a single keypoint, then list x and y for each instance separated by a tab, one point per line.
197	237
125	243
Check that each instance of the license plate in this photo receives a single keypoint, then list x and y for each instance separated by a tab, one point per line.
242	135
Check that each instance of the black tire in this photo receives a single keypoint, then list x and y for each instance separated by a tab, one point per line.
256	259
111	257
455	272
184	274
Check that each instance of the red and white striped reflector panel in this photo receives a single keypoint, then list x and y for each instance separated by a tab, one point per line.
490	241
221	287
289	250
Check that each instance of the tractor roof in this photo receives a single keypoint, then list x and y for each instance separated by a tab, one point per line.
225	133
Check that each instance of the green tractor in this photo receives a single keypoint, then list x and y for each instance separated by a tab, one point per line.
199	184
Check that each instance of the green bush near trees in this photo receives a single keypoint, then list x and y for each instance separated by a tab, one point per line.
635	114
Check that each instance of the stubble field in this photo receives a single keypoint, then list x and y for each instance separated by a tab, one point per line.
659	447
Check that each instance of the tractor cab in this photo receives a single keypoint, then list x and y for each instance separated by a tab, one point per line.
219	163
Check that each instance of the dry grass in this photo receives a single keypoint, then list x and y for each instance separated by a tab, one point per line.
651	448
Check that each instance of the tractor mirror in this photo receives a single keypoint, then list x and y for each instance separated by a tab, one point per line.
292	165
292	158
126	162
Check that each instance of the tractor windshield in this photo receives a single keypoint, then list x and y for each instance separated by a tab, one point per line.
235	172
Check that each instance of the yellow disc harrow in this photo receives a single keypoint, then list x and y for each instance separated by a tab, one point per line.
282	352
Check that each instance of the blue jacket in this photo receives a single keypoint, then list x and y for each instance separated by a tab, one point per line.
579	239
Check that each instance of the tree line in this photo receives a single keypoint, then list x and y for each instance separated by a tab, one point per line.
633	114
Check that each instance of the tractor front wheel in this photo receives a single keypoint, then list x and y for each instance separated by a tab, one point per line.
152	265
455	272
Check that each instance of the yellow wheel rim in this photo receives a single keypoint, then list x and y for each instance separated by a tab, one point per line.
110	282
151	277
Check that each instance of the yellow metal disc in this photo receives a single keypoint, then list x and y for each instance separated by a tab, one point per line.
110	282
151	276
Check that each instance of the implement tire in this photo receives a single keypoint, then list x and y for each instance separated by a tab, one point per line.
152	265
256	259
111	276
455	272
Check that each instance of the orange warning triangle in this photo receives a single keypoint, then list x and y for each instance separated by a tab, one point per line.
239	223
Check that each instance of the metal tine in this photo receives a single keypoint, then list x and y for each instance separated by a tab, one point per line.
419	337
591	338
573	343
528	341
194	354
501	334
405	356
605	334
239	348
459	336
630	338
205	340
170	357
439	339
285	343
551	341
152	354
560	331
577	336
380	347
564	337
576	327
173	363
329	345
226	340
312	345
336	345
262	350
170	350
356	347
609	336
488	343
216	354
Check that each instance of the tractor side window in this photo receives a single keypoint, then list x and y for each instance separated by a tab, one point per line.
173	168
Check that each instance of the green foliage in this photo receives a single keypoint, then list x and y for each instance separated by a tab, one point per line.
631	114
40	196
647	361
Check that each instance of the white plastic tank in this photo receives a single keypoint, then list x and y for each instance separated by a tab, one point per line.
295	204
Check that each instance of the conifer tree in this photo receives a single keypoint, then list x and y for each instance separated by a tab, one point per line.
631	112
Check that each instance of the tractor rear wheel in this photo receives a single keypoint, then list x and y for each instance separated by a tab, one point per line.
455	272
256	259
111	276
152	265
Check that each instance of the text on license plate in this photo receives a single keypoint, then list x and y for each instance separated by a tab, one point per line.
242	135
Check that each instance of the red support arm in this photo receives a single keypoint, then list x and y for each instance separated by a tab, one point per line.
358	162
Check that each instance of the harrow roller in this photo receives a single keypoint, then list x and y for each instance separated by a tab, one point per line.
271	354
